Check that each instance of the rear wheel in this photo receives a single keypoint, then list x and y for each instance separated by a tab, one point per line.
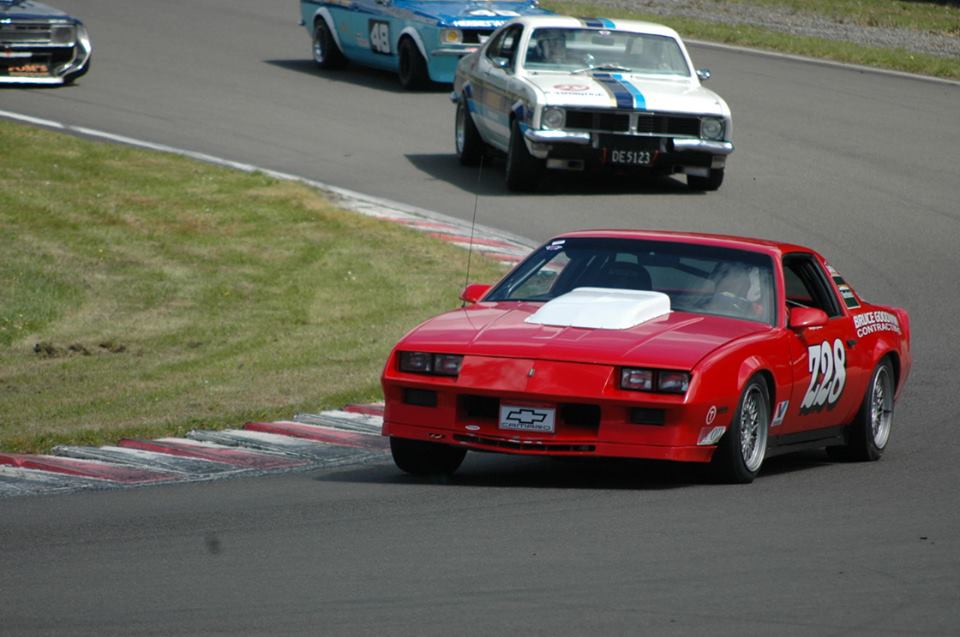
421	458
326	53
469	143
741	451
710	182
413	68
523	169
870	431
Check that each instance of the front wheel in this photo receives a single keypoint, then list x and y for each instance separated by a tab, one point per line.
870	431
523	169
421	458
741	451
708	183
413	68
326	53
467	137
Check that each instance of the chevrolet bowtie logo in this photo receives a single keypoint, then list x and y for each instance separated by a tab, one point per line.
525	416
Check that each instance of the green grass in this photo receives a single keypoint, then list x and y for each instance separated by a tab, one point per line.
932	17
144	294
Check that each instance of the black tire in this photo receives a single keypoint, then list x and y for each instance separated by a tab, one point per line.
413	68
523	169
869	433
467	139
425	458
708	183
326	54
741	451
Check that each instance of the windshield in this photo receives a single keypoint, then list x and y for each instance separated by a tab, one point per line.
558	49
699	279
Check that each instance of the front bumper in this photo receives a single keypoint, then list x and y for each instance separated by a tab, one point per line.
580	150
593	417
44	62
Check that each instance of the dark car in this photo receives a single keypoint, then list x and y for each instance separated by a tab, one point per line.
40	44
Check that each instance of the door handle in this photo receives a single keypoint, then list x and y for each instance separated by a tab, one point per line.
851	342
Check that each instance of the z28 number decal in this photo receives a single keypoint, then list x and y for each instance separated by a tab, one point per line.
380	37
828	374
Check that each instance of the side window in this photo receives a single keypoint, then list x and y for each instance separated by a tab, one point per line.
503	50
807	285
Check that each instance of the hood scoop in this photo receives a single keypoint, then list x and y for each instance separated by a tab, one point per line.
602	308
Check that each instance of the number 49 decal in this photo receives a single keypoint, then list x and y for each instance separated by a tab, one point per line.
380	37
828	374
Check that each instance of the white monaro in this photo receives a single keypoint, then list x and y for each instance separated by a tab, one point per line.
563	93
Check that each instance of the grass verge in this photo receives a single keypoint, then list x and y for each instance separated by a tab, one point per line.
145	294
937	18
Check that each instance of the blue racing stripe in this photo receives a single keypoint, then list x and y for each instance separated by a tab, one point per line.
639	101
620	92
598	23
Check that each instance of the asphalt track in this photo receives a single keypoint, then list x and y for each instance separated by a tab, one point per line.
859	165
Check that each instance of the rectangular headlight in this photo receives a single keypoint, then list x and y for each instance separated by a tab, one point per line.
427	363
636	379
63	34
673	382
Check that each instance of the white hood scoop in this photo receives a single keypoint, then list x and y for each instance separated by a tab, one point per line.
602	308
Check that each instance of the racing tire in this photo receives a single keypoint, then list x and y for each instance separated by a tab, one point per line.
523	169
868	435
740	454
326	53
413	68
708	183
469	145
421	458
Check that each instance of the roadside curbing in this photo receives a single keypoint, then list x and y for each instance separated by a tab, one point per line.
335	438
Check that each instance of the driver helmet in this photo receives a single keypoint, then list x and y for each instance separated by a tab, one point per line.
551	45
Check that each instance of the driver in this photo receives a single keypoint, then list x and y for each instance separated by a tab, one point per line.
551	46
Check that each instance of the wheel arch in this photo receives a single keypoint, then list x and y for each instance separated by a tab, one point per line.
324	14
413	34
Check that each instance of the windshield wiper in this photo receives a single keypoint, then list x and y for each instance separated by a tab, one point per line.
604	67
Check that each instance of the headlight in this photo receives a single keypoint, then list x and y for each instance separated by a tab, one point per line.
553	118
64	34
711	128
451	36
427	363
673	382
636	379
668	382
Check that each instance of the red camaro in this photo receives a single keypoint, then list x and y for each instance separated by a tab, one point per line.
689	347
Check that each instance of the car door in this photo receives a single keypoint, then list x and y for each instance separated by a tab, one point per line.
373	26
827	367
495	68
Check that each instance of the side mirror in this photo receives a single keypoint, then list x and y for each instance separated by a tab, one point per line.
802	318
474	292
704	74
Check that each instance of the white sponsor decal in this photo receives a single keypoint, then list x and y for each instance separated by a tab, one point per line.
870	322
828	374
780	413
711	415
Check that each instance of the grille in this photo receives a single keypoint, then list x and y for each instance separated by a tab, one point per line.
646	123
475	36
26	33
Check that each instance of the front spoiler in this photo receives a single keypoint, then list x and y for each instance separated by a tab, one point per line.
544	447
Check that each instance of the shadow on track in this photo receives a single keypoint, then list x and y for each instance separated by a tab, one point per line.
500	471
445	167
357	75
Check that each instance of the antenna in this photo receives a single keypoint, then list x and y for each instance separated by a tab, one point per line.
473	224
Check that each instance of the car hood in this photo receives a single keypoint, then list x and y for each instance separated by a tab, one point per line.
644	91
28	9
473	14
678	339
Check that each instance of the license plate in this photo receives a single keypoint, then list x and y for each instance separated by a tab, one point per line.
528	418
629	157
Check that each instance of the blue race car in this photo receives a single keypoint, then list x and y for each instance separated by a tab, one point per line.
422	40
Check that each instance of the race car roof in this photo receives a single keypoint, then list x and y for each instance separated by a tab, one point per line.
700	238
635	26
